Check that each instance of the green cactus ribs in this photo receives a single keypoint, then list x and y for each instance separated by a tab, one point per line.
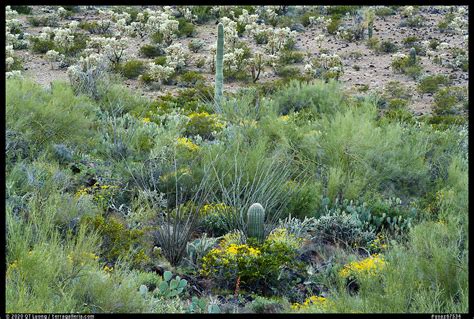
219	65
255	222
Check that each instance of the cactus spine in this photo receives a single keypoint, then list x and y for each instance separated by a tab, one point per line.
219	64
255	220
412	56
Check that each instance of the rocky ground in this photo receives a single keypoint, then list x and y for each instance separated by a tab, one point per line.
374	69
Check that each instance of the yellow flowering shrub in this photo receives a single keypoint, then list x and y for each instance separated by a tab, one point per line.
101	194
257	266
317	301
368	266
204	124
378	244
187	144
119	240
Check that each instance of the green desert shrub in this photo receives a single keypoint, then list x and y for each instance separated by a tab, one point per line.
431	83
318	97
131	69
49	116
151	51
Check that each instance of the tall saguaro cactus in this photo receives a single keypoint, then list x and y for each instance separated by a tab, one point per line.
412	56
219	65
255	222
370	29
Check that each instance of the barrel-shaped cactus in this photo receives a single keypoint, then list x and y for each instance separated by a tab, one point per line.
219	65
255	222
412	56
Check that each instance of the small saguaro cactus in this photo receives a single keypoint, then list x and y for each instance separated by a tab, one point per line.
370	29
412	56
255	222
219	64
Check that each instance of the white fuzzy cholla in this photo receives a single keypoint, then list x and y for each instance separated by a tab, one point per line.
317	21
231	35
112	48
245	18
398	56
64	38
160	73
14	39
408	11
13	74
330	61
176	56
234	60
319	39
54	56
164	23
10	14
186	13
278	39
13	24
119	16
62	13
459	25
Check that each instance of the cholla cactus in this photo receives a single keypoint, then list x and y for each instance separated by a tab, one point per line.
62	13
176	56
10	14
160	73
13	74
255	222
64	39
112	48
84	75
54	56
162	22
278	39
230	33
408	11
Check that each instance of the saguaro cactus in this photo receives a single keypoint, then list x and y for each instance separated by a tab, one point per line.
412	56
255	222
219	65
370	29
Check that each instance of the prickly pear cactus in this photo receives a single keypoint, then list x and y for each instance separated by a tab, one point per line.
255	222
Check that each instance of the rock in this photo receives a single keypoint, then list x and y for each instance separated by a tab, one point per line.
298	27
371	66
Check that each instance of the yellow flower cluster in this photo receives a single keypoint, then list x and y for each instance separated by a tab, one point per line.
284	118
216	124
234	249
186	143
231	256
146	120
371	266
378	243
214	208
313	300
81	258
281	236
93	189
108	269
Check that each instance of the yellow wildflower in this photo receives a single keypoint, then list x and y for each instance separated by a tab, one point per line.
187	143
146	120
370	265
